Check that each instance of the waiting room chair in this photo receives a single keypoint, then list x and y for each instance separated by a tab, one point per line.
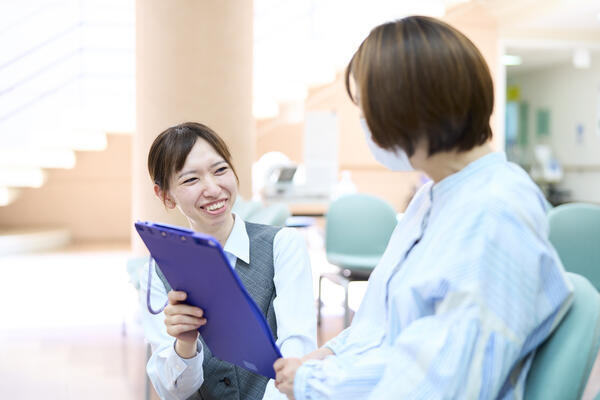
254	211
246	208
273	214
562	365
575	233
357	230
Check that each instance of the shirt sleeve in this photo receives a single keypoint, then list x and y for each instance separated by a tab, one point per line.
294	303
488	310
173	377
338	343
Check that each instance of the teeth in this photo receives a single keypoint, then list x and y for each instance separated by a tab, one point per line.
215	206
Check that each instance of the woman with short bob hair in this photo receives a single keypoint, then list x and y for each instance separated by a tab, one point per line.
444	95
469	284
192	170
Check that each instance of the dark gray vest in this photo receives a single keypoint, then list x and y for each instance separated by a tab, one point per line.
223	380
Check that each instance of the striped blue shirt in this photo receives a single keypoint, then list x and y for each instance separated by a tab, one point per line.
468	287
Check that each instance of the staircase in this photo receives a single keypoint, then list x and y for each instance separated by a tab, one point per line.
67	76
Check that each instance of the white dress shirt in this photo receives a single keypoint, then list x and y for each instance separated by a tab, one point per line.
176	378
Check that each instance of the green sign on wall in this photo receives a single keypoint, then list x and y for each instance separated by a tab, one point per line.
543	122
523	124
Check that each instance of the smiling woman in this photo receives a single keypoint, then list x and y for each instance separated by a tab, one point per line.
192	171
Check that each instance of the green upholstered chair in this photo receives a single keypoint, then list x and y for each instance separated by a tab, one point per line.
563	363
246	208
357	230
254	211
273	214
575	233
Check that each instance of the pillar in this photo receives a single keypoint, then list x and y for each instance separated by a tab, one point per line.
193	63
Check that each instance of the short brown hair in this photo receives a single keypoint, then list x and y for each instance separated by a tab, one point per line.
419	78
171	147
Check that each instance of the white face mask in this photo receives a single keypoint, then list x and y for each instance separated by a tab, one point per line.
394	160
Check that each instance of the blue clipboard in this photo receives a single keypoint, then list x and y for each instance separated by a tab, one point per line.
236	330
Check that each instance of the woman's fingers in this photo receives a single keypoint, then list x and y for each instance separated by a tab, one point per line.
176	307
180	319
177	330
175	296
279	364
285	370
184	309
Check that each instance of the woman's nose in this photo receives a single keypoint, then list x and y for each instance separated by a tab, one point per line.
211	187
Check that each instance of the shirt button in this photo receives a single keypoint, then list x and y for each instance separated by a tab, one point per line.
227	382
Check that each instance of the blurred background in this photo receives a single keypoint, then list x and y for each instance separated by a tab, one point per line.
86	85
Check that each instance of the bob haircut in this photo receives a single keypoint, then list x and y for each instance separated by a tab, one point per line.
418	79
170	149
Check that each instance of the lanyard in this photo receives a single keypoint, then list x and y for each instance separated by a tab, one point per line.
149	288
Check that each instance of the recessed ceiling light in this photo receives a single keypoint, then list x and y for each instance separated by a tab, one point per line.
509	60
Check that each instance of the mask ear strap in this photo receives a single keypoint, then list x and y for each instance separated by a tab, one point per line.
150	309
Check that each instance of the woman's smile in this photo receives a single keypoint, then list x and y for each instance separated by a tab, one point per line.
215	207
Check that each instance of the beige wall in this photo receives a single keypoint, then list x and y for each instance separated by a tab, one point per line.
275	136
92	200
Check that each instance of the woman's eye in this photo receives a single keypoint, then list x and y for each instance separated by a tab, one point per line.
221	170
189	180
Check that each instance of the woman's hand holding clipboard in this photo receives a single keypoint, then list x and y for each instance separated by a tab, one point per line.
182	322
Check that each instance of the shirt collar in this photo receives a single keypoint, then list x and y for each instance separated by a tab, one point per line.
238	243
455	180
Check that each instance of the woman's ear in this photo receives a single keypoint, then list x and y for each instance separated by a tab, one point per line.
164	197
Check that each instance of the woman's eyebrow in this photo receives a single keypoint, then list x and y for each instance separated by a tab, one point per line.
217	163
193	171
186	173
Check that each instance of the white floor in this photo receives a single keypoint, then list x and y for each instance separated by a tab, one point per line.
63	290
68	327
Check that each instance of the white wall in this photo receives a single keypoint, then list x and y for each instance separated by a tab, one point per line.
573	98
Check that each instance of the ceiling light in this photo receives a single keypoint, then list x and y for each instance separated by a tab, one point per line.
511	60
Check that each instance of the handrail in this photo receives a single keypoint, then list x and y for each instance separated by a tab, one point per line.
41	45
26	17
49	66
42	96
40	71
